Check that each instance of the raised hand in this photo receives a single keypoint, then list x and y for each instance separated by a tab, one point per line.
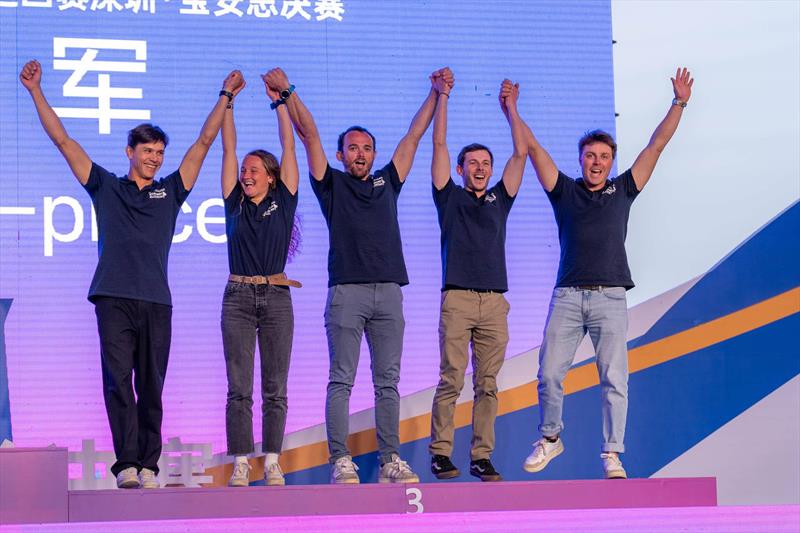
508	95
234	82
276	80
31	75
272	94
443	80
682	84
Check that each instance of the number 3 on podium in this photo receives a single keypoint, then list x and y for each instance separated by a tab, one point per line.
415	499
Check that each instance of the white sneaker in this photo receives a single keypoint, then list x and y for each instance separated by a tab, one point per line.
344	470
241	474
148	479
613	466
397	471
544	451
273	475
128	478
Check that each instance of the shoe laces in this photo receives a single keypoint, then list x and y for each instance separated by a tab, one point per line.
539	447
397	465
346	465
611	458
147	474
274	468
241	469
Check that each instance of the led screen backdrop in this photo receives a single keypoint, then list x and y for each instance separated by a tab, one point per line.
110	64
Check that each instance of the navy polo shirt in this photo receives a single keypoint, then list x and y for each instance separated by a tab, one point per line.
363	233
473	236
259	234
135	229
592	226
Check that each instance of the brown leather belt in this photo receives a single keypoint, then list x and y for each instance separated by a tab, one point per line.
274	279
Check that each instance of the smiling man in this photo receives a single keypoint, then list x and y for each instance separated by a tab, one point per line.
474	311
136	221
593	275
365	272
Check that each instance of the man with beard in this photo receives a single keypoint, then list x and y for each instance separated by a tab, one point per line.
474	310
366	270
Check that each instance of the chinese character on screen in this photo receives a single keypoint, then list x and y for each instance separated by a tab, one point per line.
102	91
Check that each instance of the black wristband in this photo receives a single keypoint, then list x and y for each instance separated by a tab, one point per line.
229	94
274	105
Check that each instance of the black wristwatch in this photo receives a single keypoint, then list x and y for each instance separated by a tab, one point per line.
286	93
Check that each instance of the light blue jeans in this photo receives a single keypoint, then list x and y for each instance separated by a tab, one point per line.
603	313
352	310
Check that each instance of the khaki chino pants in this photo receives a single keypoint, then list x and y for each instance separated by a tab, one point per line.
479	319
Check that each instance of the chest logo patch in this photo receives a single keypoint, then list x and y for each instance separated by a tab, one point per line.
271	209
158	194
490	198
610	190
378	182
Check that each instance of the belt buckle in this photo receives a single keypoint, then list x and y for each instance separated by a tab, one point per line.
260	280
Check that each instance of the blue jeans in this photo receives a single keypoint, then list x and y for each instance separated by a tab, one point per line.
603	314
350	311
251	312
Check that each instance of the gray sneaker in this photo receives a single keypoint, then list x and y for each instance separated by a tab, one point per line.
241	474
397	471
273	475
148	479
344	471
128	478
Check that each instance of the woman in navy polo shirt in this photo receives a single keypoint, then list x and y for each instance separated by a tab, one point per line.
260	203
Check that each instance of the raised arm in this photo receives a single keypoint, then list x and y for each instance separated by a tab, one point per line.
442	81
77	159
543	164
515	167
289	172
230	163
403	156
303	123
193	160
643	167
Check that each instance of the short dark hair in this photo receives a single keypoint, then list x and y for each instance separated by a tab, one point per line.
598	136
146	133
474	147
340	144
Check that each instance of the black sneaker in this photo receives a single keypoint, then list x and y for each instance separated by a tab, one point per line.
483	469
443	468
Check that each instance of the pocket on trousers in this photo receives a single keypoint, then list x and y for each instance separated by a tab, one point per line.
615	293
231	288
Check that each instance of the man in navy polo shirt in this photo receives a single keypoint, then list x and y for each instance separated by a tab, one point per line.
136	221
593	275
366	269
474	311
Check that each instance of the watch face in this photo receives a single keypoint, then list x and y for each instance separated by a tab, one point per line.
285	93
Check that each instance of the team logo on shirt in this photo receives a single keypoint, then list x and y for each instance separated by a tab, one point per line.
611	189
158	194
271	209
491	197
378	182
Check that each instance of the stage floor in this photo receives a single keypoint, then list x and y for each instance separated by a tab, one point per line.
762	519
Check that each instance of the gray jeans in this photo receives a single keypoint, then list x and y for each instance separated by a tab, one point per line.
352	310
251	312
